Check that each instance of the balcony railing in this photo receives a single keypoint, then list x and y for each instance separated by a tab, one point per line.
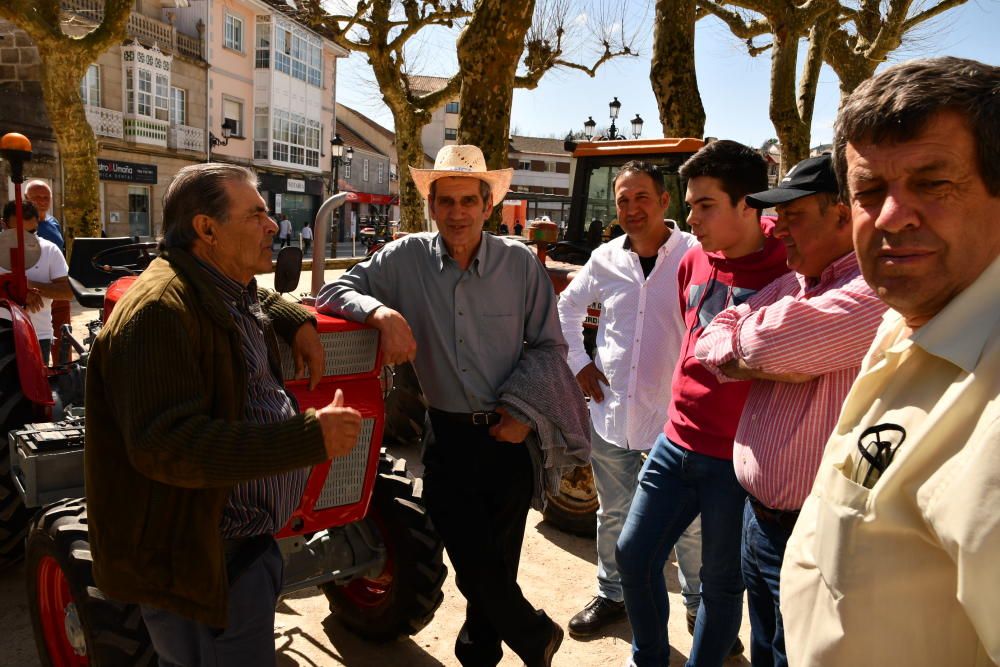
187	138
106	122
143	130
147	30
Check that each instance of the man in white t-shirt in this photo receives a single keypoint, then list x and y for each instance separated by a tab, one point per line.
307	237
47	278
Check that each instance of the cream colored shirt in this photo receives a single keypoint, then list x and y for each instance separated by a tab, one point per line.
908	572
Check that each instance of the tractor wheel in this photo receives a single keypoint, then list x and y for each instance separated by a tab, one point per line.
574	508
405	408
15	412
402	598
74	623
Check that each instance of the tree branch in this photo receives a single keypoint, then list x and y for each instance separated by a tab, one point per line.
927	14
735	22
112	28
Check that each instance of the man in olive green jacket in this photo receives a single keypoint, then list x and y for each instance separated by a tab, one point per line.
195	454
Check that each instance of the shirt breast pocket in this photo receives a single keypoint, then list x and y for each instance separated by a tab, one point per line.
842	508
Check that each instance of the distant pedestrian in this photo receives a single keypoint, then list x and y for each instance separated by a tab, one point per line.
39	194
503	229
518	228
284	230
307	237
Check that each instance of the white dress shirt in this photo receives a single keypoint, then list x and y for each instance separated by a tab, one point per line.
638	336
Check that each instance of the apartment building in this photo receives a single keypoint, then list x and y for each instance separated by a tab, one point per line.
541	176
145	100
442	130
270	101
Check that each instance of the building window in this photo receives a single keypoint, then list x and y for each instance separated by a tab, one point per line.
364	170
295	139
233	38
451	107
144	106
178	106
138	210
381	170
90	86
162	97
262	54
233	110
261	132
347	171
524	165
298	54
450	134
551	166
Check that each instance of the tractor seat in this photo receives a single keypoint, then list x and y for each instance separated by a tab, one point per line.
90	284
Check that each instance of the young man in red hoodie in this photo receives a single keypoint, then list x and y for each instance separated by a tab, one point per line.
690	469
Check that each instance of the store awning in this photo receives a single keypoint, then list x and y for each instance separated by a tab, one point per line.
369	198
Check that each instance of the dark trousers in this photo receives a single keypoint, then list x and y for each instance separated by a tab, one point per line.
763	552
478	491
248	638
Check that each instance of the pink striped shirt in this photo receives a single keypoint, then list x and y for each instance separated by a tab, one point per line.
792	326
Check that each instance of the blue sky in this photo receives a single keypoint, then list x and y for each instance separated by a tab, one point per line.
734	86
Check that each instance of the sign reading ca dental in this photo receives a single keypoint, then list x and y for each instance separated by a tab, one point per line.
126	172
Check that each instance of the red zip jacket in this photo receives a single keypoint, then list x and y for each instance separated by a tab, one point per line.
704	412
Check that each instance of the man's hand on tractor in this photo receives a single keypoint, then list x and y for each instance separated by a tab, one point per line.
307	351
398	345
509	429
33	301
590	379
340	426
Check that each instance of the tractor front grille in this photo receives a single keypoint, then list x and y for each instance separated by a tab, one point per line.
347	353
346	479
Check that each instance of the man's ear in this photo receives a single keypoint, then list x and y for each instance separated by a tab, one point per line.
843	215
204	228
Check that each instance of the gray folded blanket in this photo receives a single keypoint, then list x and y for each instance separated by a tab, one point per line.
543	392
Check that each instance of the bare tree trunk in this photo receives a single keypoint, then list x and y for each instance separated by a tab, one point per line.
409	152
489	51
793	132
64	60
672	73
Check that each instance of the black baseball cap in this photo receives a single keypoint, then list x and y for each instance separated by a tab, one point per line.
809	177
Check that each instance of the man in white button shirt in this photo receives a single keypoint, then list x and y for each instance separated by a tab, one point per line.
638	341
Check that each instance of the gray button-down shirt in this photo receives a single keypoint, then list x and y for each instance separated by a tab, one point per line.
470	326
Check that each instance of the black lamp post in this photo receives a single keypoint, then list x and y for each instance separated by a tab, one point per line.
338	156
614	107
228	128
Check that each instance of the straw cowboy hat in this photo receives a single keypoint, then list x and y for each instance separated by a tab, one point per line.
463	160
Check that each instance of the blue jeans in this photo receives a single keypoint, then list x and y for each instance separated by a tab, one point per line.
248	638
616	476
674	486
763	551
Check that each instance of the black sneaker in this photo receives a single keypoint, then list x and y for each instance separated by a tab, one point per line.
737	649
598	613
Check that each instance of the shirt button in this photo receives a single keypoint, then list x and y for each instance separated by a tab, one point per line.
465	370
460	340
460	312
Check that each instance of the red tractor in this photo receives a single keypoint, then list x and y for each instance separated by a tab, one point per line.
360	532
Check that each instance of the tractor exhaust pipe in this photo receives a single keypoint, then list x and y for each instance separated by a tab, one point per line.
319	239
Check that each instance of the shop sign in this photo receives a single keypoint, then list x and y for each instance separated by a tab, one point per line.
126	172
295	185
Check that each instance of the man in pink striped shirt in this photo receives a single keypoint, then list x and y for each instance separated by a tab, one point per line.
801	340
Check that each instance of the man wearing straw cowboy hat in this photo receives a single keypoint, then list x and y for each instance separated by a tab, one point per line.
476	305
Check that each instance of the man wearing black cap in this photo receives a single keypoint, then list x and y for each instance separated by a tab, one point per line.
801	340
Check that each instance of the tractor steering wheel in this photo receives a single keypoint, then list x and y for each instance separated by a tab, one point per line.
140	253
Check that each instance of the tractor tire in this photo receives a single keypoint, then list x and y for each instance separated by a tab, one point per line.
15	412
574	509
74	622
402	599
405	408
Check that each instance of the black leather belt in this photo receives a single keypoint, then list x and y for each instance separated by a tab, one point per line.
485	418
784	518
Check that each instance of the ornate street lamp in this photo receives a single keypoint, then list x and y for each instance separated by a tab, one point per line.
614	108
636	127
338	156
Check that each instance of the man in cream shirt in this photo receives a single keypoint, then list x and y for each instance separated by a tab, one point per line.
895	559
